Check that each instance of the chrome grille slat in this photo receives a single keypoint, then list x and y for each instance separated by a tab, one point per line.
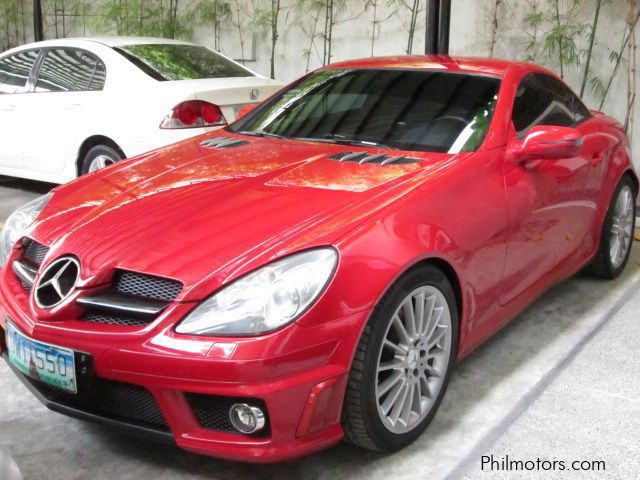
25	272
110	301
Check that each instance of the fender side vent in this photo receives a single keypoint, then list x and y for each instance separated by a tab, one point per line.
223	142
376	158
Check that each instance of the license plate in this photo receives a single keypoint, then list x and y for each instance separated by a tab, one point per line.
48	363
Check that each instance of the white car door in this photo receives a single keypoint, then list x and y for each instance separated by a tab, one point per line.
15	70
63	107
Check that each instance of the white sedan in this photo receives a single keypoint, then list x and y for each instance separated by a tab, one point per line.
72	106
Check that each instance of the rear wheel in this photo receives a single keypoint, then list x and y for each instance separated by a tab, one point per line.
617	233
99	157
403	362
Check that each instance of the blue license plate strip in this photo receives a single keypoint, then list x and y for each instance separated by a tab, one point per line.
47	363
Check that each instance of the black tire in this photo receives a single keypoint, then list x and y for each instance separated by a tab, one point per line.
362	424
107	151
602	265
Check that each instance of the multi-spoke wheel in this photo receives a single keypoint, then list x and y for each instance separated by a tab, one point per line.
617	232
99	157
413	359
622	226
403	362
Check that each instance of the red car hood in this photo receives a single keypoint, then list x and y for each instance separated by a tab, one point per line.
205	215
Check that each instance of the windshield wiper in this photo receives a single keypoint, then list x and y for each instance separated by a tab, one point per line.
261	133
342	140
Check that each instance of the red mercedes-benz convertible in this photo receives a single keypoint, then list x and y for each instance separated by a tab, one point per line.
313	271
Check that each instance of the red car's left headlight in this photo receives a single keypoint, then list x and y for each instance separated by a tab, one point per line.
266	299
19	222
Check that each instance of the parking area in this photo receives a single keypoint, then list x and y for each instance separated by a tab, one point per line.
566	368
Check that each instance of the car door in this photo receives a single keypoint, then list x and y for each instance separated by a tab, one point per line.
67	89
15	72
549	208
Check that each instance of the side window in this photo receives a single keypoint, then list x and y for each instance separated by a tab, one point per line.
69	70
15	70
564	95
543	100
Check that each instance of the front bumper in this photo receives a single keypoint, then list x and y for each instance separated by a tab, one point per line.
298	374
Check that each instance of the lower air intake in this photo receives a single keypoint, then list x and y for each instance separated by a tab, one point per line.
113	400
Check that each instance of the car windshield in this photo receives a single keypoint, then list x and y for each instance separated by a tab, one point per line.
428	111
181	62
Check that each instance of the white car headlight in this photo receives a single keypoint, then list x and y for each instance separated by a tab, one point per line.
18	223
265	299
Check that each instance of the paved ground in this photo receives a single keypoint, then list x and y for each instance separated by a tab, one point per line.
559	383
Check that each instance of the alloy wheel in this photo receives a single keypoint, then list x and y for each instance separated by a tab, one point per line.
622	227
413	359
100	161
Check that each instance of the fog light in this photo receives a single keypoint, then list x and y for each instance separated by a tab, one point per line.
245	418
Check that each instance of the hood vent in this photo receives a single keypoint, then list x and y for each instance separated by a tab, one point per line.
378	158
223	142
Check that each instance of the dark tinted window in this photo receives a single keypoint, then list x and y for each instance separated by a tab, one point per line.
410	110
15	70
544	100
181	62
70	70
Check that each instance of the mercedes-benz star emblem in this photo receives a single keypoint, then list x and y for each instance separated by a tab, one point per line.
57	282
255	93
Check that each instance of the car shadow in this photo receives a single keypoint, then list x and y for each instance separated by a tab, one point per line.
540	327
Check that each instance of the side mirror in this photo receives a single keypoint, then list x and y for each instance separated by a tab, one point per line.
246	110
547	142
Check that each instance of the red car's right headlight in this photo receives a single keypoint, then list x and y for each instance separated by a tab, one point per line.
266	299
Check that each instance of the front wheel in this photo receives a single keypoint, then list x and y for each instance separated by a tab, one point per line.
99	157
403	362
617	233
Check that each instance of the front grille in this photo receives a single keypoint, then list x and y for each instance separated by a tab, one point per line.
130	288
34	251
113	400
146	286
212	411
114	319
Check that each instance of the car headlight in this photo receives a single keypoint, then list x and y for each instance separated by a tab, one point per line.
18	223
265	299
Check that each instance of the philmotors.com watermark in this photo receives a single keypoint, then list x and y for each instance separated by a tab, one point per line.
505	463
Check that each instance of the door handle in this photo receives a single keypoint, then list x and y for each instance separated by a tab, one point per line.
598	156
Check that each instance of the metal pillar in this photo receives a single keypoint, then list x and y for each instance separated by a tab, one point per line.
437	27
38	33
